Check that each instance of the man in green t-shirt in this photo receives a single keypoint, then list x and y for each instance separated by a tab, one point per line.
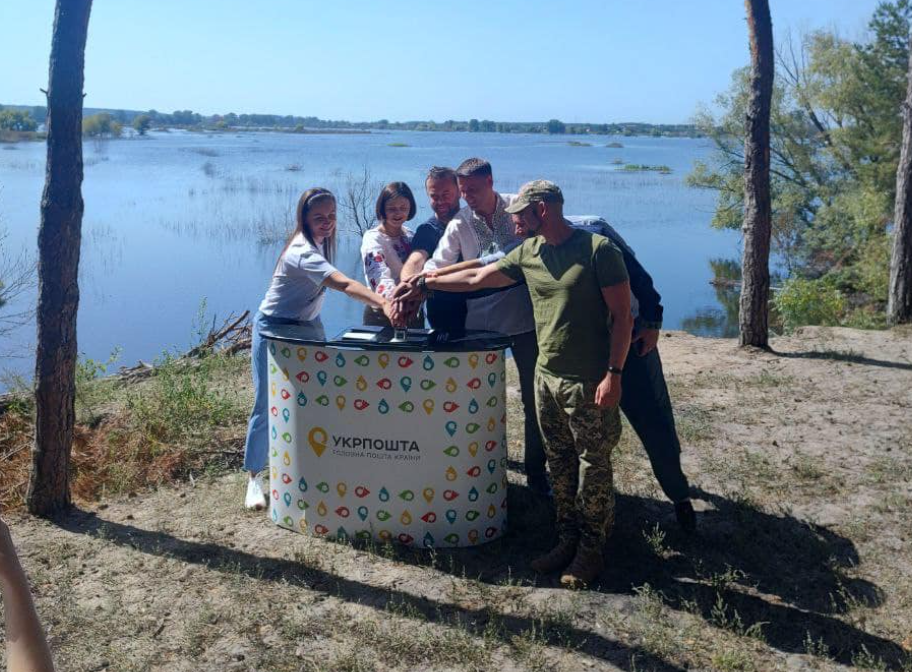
581	303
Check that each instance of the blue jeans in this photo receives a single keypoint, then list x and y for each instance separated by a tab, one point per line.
256	447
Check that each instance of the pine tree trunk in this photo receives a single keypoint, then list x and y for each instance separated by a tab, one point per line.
59	238
899	302
754	303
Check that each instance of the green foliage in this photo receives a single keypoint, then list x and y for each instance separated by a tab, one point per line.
834	148
142	123
17	120
101	125
556	126
183	402
91	391
818	302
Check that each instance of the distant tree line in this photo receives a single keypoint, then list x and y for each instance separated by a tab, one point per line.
189	119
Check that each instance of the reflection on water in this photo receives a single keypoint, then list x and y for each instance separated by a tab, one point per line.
720	320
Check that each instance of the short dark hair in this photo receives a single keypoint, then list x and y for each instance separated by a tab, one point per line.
440	173
391	191
474	167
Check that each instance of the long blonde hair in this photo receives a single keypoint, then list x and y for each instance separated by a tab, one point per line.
307	200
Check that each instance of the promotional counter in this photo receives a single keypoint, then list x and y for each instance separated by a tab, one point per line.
396	441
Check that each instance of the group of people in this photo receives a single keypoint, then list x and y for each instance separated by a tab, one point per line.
582	314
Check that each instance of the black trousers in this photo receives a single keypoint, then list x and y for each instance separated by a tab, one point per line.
645	402
525	354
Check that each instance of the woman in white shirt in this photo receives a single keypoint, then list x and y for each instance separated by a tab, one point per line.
385	248
302	274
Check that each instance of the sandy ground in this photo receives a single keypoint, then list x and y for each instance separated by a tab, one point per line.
801	464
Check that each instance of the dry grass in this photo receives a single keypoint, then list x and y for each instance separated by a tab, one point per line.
185	420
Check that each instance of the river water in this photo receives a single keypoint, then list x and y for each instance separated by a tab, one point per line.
175	219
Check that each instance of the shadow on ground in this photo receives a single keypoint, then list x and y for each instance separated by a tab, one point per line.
781	575
784	577
474	621
845	356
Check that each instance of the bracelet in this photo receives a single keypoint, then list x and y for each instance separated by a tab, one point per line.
616	370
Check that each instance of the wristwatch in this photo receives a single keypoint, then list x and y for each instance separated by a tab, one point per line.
422	285
615	369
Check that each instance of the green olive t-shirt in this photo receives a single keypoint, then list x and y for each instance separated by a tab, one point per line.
565	282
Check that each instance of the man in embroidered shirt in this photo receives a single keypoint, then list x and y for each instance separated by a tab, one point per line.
484	226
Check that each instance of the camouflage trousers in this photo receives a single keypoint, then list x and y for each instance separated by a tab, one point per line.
579	437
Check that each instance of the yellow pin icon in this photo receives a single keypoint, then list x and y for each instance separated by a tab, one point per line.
428	494
317	439
302	354
275	473
361	384
428	406
272	389
491	425
473	360
321	508
405	518
286	459
473	448
451	385
384	360
451	474
492	511
341	488
340	402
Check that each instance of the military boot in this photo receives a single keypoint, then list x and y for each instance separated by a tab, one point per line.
557	558
586	566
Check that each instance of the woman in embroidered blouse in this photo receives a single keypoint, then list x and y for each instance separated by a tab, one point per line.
385	248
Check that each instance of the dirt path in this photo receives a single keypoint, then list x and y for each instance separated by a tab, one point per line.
802	465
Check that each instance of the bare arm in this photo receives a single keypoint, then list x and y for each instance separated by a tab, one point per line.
617	299
455	268
470	279
26	647
342	283
413	265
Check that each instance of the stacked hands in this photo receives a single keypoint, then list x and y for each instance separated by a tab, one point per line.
407	299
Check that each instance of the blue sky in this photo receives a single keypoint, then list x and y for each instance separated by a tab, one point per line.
516	60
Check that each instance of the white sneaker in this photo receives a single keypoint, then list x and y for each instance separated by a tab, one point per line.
256	498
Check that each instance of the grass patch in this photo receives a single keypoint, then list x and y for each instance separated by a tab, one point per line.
642	168
187	418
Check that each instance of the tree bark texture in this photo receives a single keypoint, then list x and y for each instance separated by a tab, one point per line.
59	237
755	284
899	301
